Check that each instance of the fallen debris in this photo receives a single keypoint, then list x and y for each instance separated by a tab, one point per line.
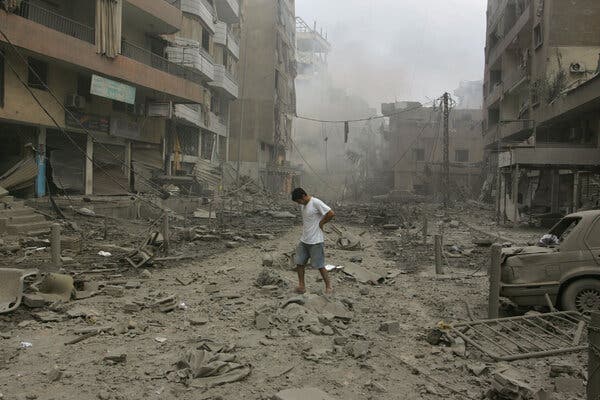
206	369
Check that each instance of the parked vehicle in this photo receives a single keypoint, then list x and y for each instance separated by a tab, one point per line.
568	270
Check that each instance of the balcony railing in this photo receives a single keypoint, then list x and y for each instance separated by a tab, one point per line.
146	57
56	22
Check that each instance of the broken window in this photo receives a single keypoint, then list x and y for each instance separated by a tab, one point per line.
564	228
461	156
38	74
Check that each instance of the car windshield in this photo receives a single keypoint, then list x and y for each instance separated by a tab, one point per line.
564	228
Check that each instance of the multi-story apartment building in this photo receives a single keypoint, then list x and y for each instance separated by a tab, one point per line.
101	69
261	119
541	104
416	148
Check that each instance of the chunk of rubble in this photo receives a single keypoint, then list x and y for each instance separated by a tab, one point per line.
507	385
363	275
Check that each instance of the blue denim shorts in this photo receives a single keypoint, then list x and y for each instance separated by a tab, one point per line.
316	253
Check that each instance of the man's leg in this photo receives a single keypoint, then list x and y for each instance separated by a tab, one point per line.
302	256
301	283
325	275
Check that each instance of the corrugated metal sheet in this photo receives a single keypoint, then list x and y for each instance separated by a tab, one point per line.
109	171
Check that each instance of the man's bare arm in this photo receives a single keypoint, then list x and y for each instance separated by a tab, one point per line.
326	218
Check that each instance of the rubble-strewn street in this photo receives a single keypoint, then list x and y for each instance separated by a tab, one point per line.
129	333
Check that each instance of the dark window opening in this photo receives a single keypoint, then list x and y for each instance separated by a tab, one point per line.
205	39
119	106
419	154
1	79
538	36
37	73
83	86
493	116
461	155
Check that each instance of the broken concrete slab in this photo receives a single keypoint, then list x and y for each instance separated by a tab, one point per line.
302	394
323	305
391	327
568	384
363	275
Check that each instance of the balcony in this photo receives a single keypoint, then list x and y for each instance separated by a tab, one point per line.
515	78
146	57
496	52
156	17
559	155
216	125
52	35
225	82
202	9
495	94
194	57
229	10
189	113
224	37
56	22
233	45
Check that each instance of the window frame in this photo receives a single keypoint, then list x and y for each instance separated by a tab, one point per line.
32	80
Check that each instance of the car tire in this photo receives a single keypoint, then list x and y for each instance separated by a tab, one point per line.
582	295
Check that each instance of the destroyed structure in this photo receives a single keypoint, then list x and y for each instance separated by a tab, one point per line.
416	148
542	103
261	120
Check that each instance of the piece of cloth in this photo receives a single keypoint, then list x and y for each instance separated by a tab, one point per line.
109	15
312	214
314	252
207	369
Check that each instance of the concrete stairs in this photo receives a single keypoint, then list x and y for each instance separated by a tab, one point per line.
18	219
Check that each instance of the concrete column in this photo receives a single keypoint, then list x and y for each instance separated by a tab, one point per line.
576	185
515	193
40	184
199	143
89	166
554	202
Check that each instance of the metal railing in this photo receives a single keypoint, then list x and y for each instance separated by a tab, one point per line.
56	22
147	57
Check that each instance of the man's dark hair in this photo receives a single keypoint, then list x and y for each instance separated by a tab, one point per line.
298	193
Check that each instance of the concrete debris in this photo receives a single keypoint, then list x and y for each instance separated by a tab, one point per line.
390	327
363	275
268	277
569	385
506	385
56	287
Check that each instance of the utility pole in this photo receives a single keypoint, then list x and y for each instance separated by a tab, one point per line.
446	166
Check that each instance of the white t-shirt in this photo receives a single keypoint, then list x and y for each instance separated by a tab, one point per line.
312	214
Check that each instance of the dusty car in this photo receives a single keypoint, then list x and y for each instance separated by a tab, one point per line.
569	271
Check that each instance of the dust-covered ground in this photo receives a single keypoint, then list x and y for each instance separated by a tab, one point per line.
367	341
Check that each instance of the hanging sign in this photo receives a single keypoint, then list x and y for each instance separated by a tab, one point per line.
112	90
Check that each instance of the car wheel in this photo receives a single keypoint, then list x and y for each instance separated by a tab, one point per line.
583	295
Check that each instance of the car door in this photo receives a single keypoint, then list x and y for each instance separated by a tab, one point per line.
592	240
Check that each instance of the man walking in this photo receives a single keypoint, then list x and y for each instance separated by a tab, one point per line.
315	214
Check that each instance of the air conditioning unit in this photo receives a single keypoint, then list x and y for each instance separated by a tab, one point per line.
75	101
577	68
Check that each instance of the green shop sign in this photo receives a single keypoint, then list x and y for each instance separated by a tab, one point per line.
112	90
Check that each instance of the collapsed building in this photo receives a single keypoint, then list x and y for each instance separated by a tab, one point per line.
261	119
415	145
542	102
130	112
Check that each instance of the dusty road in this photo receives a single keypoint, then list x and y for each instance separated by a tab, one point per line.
297	346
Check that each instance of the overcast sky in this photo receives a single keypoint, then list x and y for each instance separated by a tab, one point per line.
401	49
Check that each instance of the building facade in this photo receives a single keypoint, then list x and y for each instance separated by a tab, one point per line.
415	145
261	119
103	71
541	105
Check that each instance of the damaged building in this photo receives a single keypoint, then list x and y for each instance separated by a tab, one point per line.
542	102
261	120
416	149
131	112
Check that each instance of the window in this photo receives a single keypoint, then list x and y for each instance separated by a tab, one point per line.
37	73
419	154
538	36
83	86
461	155
123	107
593	239
1	79
205	39
225	58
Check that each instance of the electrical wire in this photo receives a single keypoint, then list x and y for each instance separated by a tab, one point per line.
151	184
375	117
73	141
